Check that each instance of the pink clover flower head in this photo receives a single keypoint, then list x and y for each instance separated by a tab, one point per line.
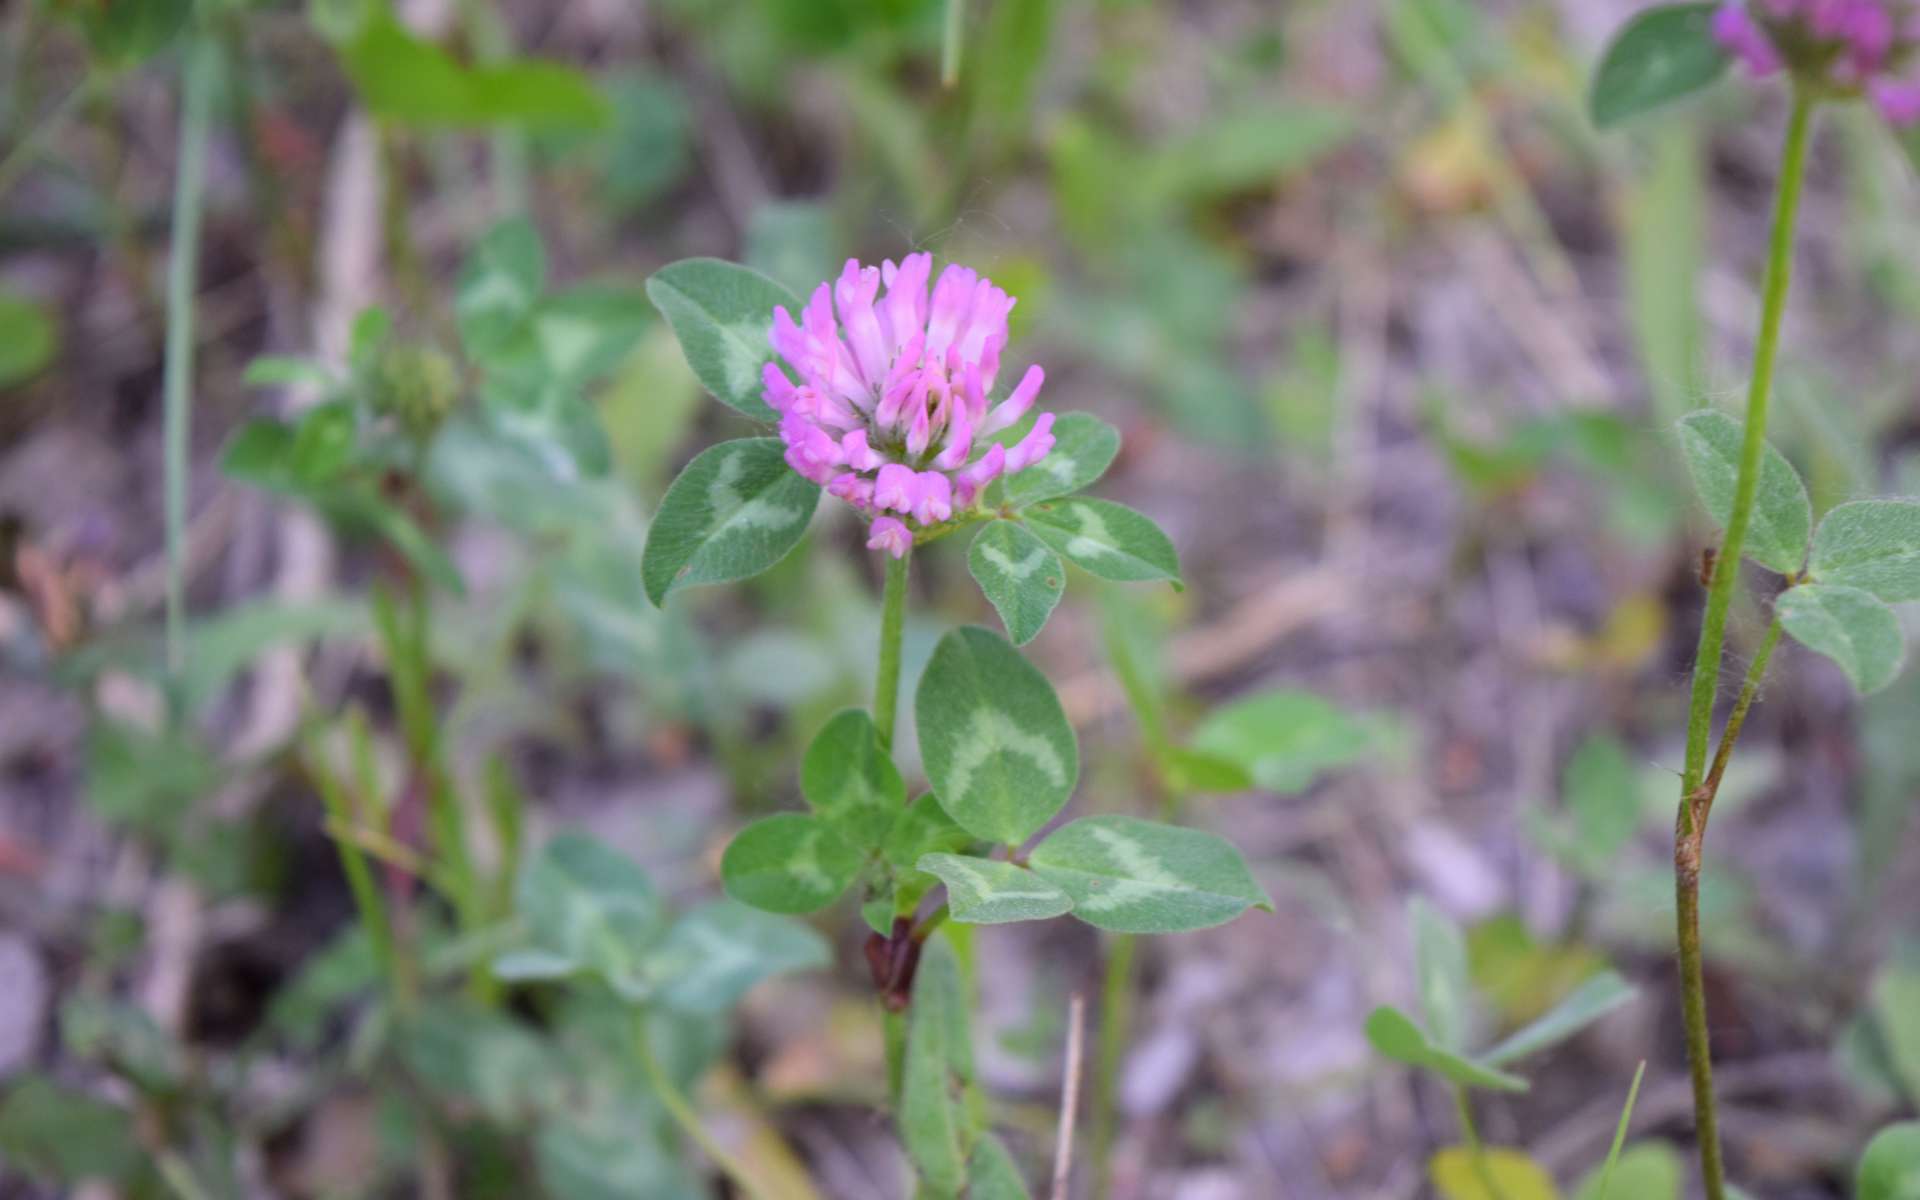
885	393
1849	47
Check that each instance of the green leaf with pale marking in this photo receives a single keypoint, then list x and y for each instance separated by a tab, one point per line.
1393	1034
1440	957
1084	447
500	286
1850	626
1659	56
62	1134
939	1066
788	863
735	511
992	1174
1583	1006
584	902
1285	739
1645	1171
982	891
1021	577
1463	1173
1873	545
1134	876
995	741
851	782
1782	518
713	954
722	313
1890	1167
1105	539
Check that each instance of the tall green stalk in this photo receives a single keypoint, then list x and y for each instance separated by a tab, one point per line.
1695	798
189	195
682	1111
893	623
886	711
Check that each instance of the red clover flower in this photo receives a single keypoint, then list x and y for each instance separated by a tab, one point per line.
1850	47
892	399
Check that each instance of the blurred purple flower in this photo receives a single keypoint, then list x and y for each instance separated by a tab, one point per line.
1855	46
892	398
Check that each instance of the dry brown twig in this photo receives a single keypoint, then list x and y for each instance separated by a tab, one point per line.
1069	1095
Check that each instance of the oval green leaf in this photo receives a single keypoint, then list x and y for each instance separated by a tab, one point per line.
735	511
1440	959
1662	54
1646	1171
992	1174
722	312
1583	1006
1134	876
1020	577
1106	539
851	782
1850	626
714	953
983	891
1284	739
788	863
1393	1034
1084	447
1890	1167
582	901
997	746
938	1069
1782	517
1873	545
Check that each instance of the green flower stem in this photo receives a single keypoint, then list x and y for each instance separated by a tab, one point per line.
893	620
1695	800
951	42
189	196
894	1030
886	709
681	1110
1476	1149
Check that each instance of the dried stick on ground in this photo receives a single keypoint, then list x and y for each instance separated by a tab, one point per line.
1069	1095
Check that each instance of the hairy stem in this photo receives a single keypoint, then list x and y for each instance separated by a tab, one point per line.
681	1110
189	196
893	619
886	708
1695	800
1737	720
